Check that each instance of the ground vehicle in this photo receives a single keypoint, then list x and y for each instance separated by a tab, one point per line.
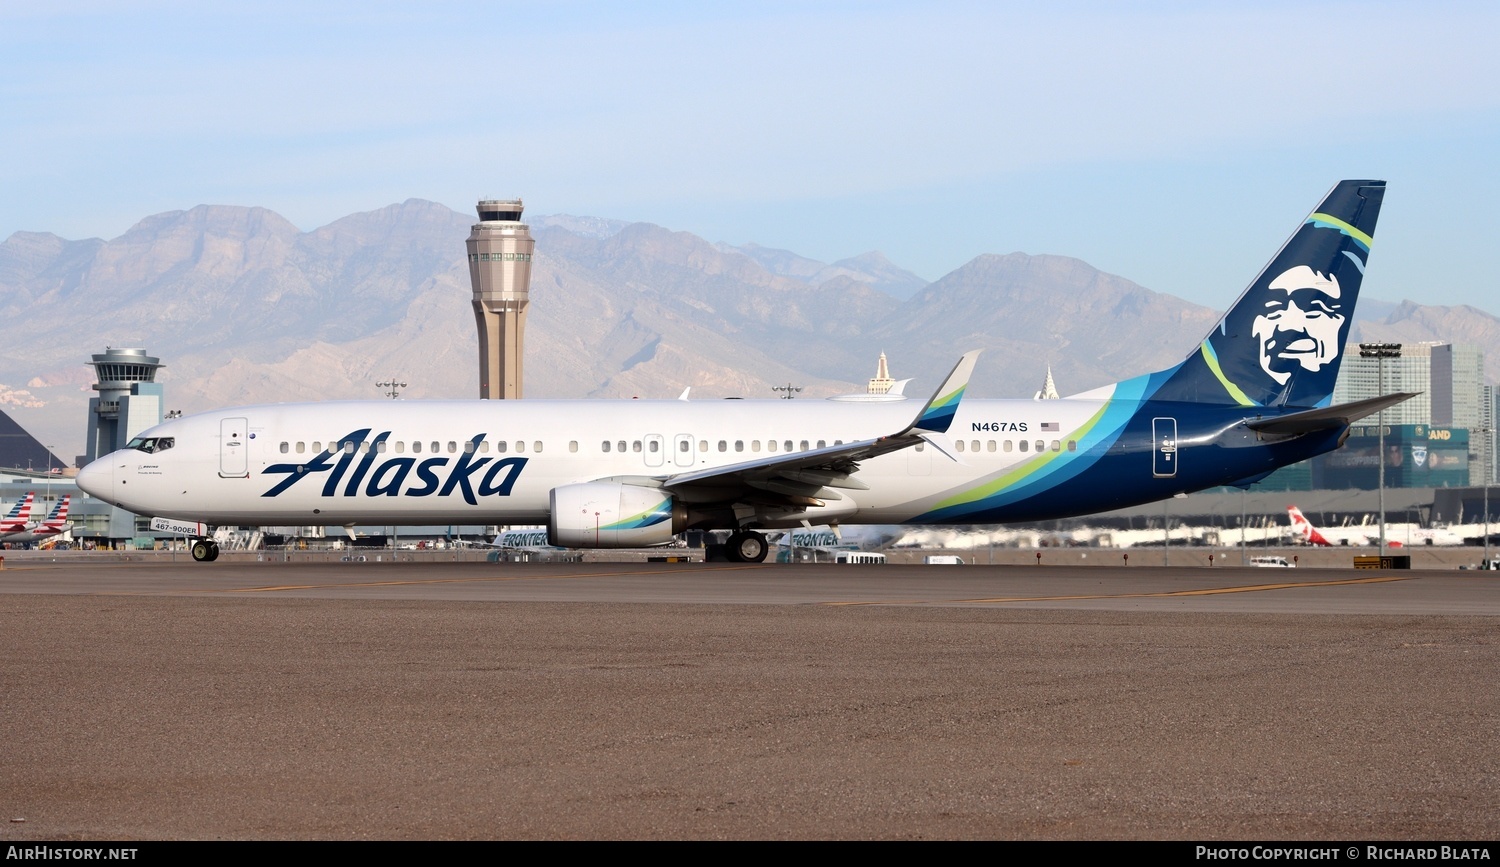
858	557
1271	562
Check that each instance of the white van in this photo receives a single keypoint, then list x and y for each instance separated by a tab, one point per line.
858	557
1271	562
943	560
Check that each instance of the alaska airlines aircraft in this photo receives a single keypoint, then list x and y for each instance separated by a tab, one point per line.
1252	396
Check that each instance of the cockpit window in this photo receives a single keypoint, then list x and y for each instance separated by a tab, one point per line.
151	445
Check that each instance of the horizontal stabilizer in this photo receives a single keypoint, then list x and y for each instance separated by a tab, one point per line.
1326	418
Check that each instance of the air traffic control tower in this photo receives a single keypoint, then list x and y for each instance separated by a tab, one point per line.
500	248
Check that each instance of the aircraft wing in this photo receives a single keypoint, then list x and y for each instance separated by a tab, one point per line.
1328	417
805	478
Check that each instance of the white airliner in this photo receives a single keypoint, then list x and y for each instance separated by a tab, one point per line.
1396	535
1251	396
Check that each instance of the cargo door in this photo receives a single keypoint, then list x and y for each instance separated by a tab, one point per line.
1164	453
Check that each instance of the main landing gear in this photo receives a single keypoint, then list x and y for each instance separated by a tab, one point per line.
205	550
746	546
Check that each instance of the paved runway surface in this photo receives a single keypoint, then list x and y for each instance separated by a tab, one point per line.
147	700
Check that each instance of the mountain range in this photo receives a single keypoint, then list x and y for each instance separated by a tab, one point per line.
244	307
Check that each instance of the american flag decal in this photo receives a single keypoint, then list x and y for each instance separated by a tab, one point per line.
1050	425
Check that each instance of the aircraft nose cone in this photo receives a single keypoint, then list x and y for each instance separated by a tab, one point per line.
97	479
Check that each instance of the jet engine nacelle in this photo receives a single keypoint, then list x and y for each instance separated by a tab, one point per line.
608	515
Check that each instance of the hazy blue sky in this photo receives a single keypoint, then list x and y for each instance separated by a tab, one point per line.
1176	144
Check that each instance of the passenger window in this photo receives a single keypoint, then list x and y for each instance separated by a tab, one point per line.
990	445
788	444
653	445
537	446
520	446
755	445
301	447
380	447
572	445
1040	445
636	446
622	445
286	448
684	446
1007	445
958	445
1057	445
770	445
739	445
702	445
804	445
364	447
1072	445
468	447
822	444
436	447
484	447
400	447
317	446
974	446
416	447
723	446
1024	445
452	447
606	447
501	446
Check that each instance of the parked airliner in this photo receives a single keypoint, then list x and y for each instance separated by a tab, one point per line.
1369	534
1252	396
16	520
55	524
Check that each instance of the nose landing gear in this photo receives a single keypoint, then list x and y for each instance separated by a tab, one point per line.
205	550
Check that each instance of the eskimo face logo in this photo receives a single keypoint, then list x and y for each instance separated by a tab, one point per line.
1300	324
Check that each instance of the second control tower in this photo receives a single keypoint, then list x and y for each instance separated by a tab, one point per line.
500	249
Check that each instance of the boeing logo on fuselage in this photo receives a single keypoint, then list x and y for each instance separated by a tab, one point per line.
471	474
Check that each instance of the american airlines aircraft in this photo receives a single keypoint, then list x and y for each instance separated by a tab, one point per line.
1252	396
55	524
15	521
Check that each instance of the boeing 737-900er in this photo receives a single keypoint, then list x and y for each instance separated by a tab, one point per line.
1252	396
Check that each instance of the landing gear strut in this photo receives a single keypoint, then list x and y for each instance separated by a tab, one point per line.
746	547
205	550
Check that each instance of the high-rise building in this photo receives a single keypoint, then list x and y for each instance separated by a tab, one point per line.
129	401
500	250
1361	379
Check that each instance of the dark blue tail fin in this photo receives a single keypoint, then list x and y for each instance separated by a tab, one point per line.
1282	341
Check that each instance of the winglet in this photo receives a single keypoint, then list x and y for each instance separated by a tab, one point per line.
938	414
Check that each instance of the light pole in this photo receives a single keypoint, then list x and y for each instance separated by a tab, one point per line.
391	387
1380	352
788	391
1489	448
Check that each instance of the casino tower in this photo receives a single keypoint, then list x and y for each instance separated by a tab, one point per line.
500	250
